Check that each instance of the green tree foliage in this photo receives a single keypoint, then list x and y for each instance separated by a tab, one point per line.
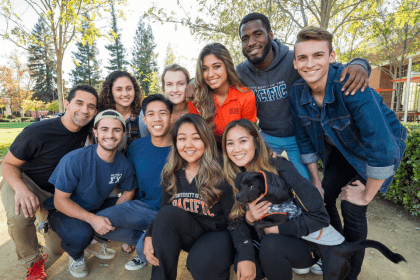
222	18
389	38
87	67
405	189
170	56
63	18
144	59
41	64
116	49
155	83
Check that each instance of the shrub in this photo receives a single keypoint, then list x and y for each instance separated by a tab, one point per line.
4	120
405	189
23	119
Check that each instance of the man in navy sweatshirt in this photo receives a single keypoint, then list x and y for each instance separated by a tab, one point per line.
269	73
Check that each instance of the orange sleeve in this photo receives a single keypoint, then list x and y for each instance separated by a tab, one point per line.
192	109
249	106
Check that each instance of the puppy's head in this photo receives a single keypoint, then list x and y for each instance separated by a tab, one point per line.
250	186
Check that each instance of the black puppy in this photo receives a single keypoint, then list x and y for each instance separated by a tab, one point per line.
250	186
335	258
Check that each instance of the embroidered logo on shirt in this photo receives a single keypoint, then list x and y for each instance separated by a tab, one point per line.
115	178
234	111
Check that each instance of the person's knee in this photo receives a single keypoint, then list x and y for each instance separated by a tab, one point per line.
19	221
352	212
170	214
268	248
207	266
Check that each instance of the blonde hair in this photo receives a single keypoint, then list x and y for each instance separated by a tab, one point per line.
210	172
203	100
259	162
174	68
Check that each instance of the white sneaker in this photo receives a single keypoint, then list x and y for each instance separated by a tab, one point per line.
101	251
301	270
317	268
78	269
135	264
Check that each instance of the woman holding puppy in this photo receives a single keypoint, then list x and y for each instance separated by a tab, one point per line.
282	248
195	207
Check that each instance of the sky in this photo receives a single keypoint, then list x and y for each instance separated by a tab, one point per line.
186	47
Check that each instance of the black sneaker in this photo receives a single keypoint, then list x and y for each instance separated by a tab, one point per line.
135	264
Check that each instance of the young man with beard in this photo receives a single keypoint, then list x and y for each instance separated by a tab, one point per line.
269	73
148	156
29	164
83	181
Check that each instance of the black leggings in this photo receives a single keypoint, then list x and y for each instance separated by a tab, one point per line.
338	173
277	255
210	253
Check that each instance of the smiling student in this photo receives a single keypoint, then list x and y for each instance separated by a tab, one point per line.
220	97
83	180
196	203
175	79
121	92
358	138
148	156
28	165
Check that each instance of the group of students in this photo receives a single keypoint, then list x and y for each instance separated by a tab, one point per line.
174	159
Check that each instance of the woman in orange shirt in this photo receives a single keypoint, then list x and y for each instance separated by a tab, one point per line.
220	96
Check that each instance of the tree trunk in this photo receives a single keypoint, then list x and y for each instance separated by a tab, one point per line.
60	83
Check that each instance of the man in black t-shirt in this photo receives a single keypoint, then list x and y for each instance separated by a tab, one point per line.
29	164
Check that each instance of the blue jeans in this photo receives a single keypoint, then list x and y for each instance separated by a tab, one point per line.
279	144
130	219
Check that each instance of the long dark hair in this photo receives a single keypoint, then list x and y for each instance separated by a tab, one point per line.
209	175
259	162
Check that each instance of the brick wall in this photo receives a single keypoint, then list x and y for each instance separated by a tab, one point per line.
381	79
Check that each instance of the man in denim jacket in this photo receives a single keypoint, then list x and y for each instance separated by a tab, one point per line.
358	138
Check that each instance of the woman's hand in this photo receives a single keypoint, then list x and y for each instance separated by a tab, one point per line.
354	193
274	229
257	209
246	270
149	251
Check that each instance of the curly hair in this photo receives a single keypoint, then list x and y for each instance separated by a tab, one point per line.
106	99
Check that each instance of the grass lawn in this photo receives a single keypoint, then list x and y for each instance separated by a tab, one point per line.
8	133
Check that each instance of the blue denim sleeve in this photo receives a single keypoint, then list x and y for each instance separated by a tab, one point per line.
378	139
307	151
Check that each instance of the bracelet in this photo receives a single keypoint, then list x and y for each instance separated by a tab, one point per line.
246	220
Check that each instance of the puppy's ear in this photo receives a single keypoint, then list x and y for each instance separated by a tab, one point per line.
261	178
239	180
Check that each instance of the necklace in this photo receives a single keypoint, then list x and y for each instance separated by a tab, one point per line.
191	178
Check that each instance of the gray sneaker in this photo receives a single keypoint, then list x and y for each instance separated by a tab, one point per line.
301	270
135	264
78	269
100	250
317	268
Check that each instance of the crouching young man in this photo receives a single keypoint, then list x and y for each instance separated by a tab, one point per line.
359	139
83	181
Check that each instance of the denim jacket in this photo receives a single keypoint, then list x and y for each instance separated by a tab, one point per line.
362	127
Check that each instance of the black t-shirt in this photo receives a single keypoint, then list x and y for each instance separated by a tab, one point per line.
41	145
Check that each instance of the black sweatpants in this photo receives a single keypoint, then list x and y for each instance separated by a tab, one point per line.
338	173
210	253
277	255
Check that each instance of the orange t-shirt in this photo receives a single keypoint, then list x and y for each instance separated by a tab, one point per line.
238	105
